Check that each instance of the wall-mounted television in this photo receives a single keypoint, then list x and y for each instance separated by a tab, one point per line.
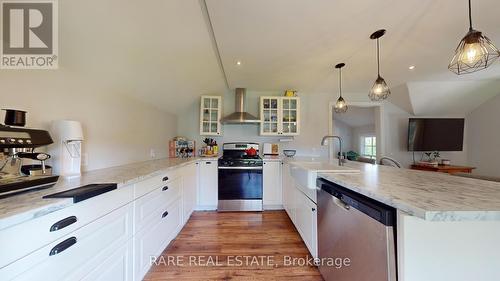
436	134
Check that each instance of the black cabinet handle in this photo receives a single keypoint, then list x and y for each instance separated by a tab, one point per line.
63	246
63	223
164	214
165	179
313	209
165	188
208	163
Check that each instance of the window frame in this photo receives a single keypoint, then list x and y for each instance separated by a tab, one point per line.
372	146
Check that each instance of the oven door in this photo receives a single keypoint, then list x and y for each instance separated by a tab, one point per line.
240	189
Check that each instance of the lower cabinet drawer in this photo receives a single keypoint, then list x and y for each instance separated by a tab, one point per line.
148	206
74	256
20	240
154	238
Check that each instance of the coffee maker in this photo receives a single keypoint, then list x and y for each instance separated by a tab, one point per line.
17	145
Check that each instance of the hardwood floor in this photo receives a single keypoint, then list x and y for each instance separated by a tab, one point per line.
235	246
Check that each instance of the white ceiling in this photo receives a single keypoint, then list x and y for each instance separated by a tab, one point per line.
295	43
161	52
357	116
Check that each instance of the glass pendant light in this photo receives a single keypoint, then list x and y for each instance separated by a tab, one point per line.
380	90
474	52
341	104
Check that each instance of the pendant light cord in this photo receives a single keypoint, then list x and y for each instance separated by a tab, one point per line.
378	59
340	81
470	16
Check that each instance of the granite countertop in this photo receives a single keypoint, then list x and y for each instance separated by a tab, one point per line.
23	207
428	195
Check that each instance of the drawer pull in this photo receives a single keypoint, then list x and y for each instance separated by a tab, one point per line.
164	214
208	163
62	246
63	223
165	188
165	179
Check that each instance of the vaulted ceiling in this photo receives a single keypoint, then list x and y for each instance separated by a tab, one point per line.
163	52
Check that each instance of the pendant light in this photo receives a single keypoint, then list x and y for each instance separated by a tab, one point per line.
475	52
340	105
380	90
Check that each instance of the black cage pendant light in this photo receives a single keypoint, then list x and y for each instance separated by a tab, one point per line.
341	104
474	52
380	90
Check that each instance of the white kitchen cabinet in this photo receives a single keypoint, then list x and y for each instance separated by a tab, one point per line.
154	238
210	116
189	189
207	185
280	116
306	221
288	191
272	189
117	267
77	254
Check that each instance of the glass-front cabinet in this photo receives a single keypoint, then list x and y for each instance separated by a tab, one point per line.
280	116
210	116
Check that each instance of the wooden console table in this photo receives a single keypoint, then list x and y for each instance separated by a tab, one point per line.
444	169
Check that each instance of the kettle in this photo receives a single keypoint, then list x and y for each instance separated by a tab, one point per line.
251	151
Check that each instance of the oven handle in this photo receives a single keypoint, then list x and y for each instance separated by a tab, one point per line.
240	168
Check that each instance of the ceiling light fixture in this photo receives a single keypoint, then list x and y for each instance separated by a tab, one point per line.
411	67
474	52
380	90
238	63
340	105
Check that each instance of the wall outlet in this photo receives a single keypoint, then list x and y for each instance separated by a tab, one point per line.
152	153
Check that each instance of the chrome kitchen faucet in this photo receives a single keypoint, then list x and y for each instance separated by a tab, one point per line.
324	141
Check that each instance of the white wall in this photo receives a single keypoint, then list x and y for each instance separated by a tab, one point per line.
362	131
484	138
118	130
396	137
314	122
346	133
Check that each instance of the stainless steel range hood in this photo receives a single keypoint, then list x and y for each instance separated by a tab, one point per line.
240	116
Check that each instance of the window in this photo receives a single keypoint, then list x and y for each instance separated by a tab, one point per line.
369	148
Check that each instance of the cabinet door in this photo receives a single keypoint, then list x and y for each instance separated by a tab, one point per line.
118	266
189	189
290	114
154	238
287	187
210	115
272	194
207	185
270	115
307	221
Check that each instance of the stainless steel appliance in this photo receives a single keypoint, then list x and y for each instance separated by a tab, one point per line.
240	178
240	116
358	228
17	145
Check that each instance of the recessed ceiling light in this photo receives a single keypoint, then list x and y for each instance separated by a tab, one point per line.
411	67
238	63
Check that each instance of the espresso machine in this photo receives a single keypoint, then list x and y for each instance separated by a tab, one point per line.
18	145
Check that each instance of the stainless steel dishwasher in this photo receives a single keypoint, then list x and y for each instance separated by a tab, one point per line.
354	227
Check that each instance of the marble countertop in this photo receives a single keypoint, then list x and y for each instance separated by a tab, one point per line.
23	207
428	195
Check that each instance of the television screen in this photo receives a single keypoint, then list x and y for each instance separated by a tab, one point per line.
436	134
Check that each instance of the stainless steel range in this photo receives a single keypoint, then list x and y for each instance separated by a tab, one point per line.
240	178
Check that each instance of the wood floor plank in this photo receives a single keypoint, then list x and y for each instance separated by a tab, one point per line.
262	241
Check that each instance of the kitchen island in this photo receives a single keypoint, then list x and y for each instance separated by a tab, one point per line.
447	226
